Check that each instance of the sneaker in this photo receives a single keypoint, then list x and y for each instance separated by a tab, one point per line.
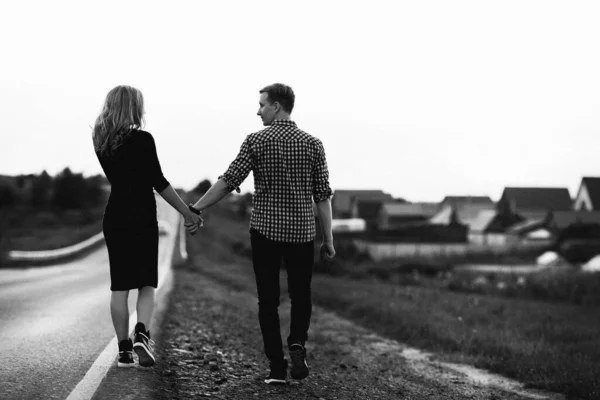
278	374
141	346
125	359
299	365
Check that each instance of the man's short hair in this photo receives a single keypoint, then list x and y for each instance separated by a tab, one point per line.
283	94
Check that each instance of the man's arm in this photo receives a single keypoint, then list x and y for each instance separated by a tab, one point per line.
215	194
322	196
324	215
231	180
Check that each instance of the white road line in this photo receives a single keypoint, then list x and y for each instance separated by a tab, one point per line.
86	388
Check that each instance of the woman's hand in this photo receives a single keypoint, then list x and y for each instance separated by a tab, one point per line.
193	222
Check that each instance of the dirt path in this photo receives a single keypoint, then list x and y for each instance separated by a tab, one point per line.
212	348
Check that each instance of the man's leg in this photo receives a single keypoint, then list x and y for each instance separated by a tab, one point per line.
299	262
266	260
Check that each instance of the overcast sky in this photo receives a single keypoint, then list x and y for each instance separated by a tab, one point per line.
421	99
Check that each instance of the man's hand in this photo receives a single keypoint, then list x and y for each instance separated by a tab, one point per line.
327	252
193	222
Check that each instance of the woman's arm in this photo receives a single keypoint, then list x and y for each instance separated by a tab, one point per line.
192	221
164	188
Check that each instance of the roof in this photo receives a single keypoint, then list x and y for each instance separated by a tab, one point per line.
592	184
368	209
412	209
460	200
562	219
342	199
526	226
482	220
466	213
541	198
534	215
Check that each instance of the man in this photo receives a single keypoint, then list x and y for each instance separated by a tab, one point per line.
290	171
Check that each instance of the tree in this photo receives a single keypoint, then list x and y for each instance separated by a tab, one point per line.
69	190
202	187
94	193
7	196
41	190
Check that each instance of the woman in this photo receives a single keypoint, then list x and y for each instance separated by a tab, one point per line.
129	160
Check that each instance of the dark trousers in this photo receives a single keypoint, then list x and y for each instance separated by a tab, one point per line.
266	259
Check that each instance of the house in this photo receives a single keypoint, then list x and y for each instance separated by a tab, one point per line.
367	210
588	195
342	200
461	201
534	203
559	220
464	209
491	228
531	232
478	226
547	229
396	215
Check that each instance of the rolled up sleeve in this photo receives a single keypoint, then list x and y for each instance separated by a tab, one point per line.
320	177
159	182
240	167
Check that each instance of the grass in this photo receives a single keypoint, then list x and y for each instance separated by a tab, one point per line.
546	345
31	229
550	345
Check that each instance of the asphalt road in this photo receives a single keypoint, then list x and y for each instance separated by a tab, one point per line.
55	321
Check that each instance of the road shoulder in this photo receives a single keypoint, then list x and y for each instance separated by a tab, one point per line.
210	347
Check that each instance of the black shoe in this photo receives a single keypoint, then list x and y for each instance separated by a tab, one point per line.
125	359
299	365
278	374
141	346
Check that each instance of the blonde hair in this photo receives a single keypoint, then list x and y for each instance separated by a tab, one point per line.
123	111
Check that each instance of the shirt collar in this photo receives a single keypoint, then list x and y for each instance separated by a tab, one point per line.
283	122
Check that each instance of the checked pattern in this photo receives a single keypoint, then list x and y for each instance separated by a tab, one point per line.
290	171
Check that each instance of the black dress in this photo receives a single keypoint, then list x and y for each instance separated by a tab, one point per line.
130	226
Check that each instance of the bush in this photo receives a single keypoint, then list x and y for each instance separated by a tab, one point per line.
7	196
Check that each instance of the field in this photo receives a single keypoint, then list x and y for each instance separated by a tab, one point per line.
544	334
28	228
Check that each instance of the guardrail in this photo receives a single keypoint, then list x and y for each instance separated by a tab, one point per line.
32	258
44	256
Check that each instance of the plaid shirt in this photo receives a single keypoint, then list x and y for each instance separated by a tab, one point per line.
290	171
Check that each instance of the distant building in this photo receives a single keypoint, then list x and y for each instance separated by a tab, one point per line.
531	232
478	226
533	203
367	210
545	230
461	209
342	200
559	220
588	195
460	201
397	215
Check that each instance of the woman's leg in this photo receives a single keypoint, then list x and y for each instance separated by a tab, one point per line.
145	305
120	313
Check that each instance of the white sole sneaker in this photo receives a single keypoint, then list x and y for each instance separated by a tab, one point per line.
146	359
126	365
272	381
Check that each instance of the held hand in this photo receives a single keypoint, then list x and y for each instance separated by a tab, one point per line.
192	223
327	251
